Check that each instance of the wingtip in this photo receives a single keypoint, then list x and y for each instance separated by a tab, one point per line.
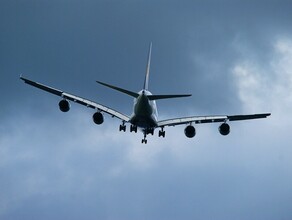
21	77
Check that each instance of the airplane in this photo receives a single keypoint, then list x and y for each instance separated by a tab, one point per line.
144	116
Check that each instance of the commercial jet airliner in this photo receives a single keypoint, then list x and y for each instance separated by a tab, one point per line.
144	114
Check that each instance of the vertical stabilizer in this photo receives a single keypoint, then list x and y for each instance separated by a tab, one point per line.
147	68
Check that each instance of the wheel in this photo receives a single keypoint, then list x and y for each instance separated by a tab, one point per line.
122	128
161	133
133	128
152	131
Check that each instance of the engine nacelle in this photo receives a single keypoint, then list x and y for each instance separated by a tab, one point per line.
64	105
224	129
190	131
97	118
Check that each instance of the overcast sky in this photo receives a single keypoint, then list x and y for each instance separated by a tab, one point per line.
235	57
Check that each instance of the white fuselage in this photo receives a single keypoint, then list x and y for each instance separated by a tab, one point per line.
144	111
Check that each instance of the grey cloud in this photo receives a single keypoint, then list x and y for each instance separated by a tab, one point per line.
76	173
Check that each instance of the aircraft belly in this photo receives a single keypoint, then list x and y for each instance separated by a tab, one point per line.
142	107
144	122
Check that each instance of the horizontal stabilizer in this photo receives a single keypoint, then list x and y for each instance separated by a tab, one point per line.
130	93
156	97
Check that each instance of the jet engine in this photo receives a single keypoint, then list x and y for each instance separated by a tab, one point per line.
97	118
64	105
224	129
190	131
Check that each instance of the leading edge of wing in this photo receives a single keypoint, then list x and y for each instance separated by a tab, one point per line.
77	99
209	119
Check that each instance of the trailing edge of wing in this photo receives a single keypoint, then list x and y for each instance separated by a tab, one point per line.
133	94
77	99
209	119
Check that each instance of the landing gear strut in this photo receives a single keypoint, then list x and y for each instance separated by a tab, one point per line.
144	140
147	131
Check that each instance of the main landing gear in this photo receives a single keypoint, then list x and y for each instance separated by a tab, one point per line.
122	127
133	128
161	133
146	131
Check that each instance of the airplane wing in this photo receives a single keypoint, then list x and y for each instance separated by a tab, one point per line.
77	99
209	119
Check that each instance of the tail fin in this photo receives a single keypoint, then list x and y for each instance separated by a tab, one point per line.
150	97
156	97
147	68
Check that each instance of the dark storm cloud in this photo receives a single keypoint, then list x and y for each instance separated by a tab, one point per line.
232	55
64	43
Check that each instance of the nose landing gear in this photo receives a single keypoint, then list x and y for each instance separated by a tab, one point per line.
144	140
147	131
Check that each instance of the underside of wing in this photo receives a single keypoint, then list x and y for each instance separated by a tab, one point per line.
193	119
209	119
96	106
78	99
